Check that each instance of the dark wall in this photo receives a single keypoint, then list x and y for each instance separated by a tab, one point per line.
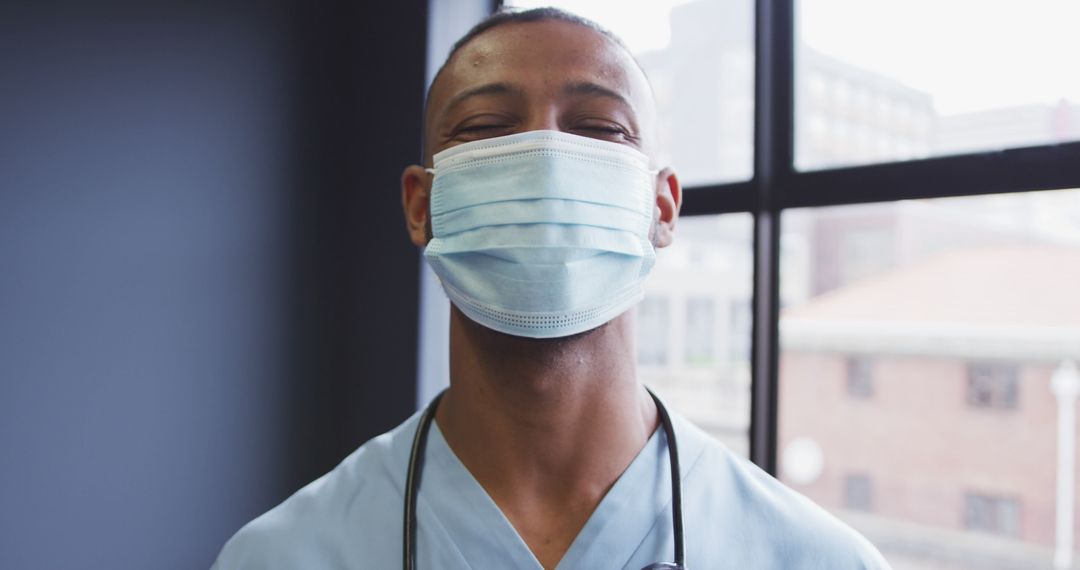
360	82
206	294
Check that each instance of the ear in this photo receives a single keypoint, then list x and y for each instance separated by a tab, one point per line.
668	203
415	197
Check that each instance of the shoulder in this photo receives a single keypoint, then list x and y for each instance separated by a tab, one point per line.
774	525
338	516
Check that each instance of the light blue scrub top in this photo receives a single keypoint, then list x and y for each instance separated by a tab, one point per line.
736	516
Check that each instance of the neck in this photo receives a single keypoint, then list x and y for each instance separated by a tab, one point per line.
545	426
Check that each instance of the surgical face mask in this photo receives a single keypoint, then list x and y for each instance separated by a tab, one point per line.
541	234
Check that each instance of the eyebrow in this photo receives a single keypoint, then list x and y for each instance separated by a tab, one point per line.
593	89
486	89
580	88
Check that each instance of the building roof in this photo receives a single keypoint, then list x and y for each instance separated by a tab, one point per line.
1030	285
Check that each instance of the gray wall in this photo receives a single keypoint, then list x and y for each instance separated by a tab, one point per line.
206	294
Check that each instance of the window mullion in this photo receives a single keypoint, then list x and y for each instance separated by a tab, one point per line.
773	164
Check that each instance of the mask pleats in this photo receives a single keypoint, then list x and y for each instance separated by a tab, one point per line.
541	234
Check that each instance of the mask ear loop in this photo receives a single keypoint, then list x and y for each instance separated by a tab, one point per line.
431	171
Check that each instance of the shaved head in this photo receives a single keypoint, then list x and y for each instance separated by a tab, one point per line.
534	15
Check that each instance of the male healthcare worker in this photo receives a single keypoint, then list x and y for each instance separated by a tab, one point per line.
540	209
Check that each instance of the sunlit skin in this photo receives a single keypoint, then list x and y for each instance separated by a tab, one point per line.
545	426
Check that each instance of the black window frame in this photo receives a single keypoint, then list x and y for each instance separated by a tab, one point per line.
776	186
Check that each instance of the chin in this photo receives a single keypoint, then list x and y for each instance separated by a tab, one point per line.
559	339
493	334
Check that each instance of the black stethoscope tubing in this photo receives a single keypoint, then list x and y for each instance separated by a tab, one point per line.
416	468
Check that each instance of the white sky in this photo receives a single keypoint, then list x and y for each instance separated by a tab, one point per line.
968	54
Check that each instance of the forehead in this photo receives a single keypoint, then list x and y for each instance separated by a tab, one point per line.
541	57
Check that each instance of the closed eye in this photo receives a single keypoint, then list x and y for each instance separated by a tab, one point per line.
479	128
615	130
610	132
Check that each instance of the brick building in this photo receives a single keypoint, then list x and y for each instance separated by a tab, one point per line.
923	395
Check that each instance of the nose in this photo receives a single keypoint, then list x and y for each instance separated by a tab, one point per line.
543	116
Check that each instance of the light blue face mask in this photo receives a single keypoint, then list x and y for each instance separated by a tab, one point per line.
542	234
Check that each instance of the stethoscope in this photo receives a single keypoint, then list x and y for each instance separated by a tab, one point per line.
416	468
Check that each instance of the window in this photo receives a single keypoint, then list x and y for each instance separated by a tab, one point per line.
974	312
683	326
700	341
1006	96
858	492
992	514
653	331
992	385
740	327
860	377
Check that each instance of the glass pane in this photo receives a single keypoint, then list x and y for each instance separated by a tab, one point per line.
694	325
893	80
925	387
699	56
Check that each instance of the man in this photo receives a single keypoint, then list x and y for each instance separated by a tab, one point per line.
540	210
